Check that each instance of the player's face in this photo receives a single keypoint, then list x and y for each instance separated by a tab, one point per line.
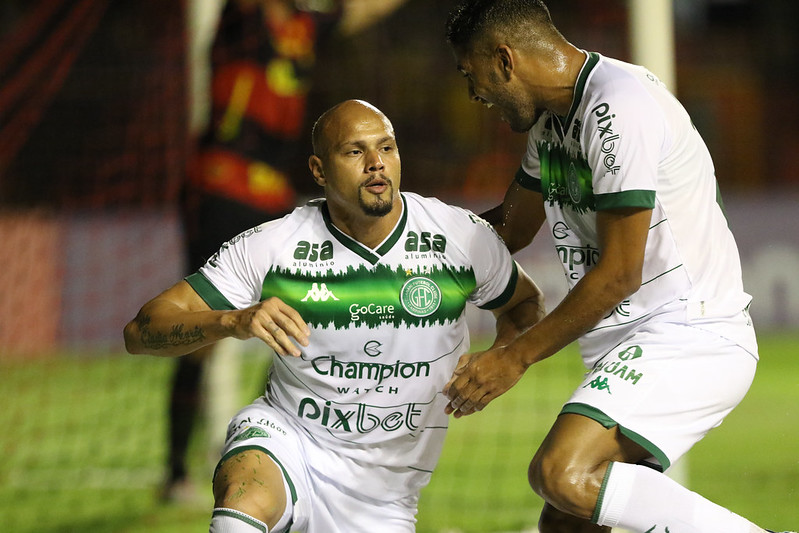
487	86
362	167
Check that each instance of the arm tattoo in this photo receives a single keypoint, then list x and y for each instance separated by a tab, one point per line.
157	340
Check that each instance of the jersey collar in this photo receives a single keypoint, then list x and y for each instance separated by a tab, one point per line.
373	256
579	87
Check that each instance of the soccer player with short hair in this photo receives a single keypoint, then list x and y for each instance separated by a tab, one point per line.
362	296
656	299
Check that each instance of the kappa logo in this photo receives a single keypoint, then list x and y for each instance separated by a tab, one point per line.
599	383
319	293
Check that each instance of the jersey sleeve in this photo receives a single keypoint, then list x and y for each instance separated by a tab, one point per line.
495	270
529	173
230	279
624	133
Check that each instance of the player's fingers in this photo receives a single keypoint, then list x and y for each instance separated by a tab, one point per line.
287	319
294	323
471	406
264	332
282	339
459	396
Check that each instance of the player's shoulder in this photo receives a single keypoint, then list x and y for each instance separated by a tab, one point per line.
306	218
429	211
615	81
430	206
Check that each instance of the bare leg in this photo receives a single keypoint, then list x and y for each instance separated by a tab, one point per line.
252	483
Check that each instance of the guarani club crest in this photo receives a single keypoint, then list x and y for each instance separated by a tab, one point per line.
375	296
565	179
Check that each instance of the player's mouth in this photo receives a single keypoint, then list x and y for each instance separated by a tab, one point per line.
377	184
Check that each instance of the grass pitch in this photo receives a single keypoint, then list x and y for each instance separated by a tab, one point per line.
83	448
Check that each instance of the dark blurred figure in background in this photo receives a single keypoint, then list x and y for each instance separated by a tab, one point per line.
262	64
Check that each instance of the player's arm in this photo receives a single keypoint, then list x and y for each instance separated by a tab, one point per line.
518	218
524	309
617	275
178	321
357	15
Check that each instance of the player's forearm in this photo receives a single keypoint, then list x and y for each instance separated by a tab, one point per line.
514	322
585	306
164	329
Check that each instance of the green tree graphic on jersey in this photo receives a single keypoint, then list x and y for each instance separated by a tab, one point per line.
565	179
371	296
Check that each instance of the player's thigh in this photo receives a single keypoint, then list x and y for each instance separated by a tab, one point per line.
263	462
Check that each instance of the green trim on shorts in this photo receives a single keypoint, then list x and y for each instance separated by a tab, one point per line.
595	414
240	449
595	516
240	516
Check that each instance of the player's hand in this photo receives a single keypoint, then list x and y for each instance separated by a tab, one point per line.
276	323
479	378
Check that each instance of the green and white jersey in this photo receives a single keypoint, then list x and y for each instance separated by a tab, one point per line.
627	142
387	326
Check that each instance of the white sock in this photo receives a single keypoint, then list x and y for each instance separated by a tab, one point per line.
225	520
640	499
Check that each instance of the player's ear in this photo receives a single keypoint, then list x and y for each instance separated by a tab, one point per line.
505	60
315	164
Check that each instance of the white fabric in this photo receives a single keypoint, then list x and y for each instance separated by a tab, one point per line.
637	498
627	142
662	386
232	521
387	328
311	470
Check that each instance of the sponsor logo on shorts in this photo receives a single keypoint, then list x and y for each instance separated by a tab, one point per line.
599	383
258	425
619	368
252	433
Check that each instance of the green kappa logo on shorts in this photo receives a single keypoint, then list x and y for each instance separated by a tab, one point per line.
420	296
251	433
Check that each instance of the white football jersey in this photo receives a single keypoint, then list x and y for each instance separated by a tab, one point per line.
627	142
387	326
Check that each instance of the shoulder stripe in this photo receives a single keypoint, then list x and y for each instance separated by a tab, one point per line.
215	299
505	297
633	198
527	181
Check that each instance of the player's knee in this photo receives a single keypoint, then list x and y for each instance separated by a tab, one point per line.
256	490
563	484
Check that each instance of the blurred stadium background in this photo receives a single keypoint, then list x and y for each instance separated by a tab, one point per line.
100	103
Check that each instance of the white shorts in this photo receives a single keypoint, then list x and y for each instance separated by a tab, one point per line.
315	503
665	387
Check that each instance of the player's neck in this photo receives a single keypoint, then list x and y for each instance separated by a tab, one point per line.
368	230
564	69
